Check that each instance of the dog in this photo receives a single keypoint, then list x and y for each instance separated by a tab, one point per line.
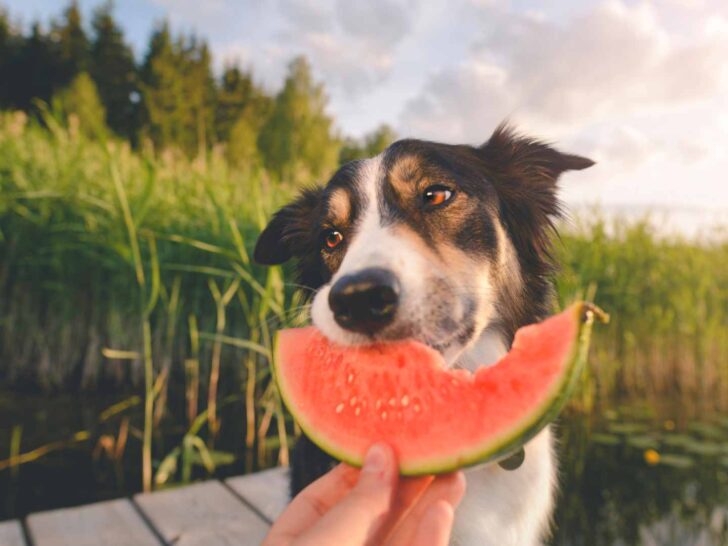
449	245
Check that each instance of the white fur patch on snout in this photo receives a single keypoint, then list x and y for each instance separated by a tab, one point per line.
372	245
447	299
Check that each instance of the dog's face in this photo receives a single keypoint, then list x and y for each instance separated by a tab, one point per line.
427	241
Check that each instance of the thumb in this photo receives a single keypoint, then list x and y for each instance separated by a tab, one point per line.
360	515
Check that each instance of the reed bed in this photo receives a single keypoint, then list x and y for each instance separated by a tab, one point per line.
667	341
131	271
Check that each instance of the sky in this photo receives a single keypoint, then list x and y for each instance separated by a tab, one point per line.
641	87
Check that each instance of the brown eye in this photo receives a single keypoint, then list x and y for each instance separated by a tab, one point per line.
437	195
332	238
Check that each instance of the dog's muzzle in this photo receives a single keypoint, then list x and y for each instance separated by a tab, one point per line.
365	301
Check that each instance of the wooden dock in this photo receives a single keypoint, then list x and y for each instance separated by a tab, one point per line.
236	511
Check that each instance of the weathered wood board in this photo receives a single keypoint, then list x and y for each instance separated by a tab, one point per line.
11	533
113	522
202	514
266	491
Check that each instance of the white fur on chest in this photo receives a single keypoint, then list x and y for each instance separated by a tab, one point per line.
502	507
509	508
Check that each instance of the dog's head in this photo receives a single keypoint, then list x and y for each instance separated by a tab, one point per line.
427	241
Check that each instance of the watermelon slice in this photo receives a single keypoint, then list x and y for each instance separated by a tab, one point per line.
436	419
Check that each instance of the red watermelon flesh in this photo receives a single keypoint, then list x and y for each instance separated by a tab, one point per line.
436	419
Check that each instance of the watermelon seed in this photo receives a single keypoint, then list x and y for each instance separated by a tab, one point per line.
405	401
353	401
340	408
384	415
357	411
416	407
392	402
378	404
350	378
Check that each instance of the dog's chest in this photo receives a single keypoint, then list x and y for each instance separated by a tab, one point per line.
508	508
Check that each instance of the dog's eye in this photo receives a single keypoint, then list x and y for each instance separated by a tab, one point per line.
332	238
437	195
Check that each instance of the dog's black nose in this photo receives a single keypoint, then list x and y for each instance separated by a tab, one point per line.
365	301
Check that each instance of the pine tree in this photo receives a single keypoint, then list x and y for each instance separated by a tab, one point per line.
241	109
179	92
9	46
72	44
200	89
237	96
162	88
114	72
296	142
33	70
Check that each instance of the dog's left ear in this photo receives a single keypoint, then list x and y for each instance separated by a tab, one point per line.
524	172
527	161
289	232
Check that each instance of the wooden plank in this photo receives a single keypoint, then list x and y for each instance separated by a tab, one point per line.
11	533
202	514
267	491
113	522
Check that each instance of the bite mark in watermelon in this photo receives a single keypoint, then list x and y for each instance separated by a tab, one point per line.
436	419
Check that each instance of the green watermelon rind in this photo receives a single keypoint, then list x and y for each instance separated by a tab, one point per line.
496	447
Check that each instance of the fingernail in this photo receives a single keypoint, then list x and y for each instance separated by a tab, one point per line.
376	459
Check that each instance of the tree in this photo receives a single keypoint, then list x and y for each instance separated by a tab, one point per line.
242	144
200	88
9	46
33	71
81	100
372	144
296	142
179	91
241	109
114	72
237	96
72	44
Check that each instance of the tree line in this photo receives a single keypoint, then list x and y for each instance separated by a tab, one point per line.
172	97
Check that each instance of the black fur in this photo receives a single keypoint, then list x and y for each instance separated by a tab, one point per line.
525	172
512	178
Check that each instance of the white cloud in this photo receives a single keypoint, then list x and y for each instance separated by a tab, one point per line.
382	23
615	82
612	62
640	85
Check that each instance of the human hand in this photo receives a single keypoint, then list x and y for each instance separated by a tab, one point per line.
371	506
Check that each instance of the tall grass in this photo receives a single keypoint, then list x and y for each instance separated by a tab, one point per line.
668	299
126	269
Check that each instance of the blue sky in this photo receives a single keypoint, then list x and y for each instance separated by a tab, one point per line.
640	86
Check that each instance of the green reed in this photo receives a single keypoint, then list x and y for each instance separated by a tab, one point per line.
131	270
668	299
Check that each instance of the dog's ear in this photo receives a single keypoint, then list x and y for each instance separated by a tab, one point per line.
290	231
526	161
525	172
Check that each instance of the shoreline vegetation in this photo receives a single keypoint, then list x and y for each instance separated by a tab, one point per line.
130	271
95	236
131	195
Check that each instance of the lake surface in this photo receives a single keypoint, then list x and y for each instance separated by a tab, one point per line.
629	477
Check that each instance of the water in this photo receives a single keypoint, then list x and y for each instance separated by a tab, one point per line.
629	477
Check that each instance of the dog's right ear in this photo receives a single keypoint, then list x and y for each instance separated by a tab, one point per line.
291	230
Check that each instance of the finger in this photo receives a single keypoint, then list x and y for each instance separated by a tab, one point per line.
312	503
408	492
435	526
449	488
360	515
